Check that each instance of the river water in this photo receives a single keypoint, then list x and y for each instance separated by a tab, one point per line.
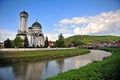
44	69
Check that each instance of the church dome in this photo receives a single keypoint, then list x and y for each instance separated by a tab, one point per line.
24	12
37	24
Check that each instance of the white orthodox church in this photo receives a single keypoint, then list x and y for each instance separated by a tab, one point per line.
34	33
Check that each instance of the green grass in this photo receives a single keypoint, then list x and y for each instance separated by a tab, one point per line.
108	69
39	55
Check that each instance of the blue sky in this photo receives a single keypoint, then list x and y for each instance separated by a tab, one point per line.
70	17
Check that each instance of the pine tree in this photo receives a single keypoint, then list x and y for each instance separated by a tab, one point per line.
60	42
46	42
26	44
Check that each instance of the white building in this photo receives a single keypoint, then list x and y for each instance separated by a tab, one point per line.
34	34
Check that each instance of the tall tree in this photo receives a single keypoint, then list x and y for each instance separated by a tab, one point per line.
7	43
18	42
46	42
60	42
60	37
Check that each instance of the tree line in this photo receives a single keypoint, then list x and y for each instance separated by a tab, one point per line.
60	42
20	43
17	42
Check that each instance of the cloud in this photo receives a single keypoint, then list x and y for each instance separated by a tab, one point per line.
75	20
63	30
106	23
5	34
51	36
54	37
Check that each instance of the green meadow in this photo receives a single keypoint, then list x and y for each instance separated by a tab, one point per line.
108	69
16	57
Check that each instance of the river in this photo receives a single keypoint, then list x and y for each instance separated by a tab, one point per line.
44	69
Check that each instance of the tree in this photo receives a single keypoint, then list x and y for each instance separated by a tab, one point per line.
60	37
12	43
7	43
60	42
77	42
18	42
46	42
26	44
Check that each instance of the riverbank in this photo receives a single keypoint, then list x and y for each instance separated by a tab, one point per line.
32	56
109	69
30	49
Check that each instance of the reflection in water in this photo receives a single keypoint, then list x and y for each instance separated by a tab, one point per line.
45	69
34	71
28	71
60	63
20	71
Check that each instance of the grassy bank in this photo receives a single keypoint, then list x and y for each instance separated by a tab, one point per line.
109	69
17	57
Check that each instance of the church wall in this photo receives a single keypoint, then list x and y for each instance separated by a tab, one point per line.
29	39
41	41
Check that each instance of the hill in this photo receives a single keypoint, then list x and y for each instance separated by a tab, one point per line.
84	39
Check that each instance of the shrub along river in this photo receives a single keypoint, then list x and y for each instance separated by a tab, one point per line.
44	69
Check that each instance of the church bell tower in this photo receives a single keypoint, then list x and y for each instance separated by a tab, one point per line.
23	23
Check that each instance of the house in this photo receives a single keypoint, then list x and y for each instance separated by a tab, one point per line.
1	44
117	44
51	43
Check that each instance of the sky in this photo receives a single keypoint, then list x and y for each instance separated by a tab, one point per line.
69	17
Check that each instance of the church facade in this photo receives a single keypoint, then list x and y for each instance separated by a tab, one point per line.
33	34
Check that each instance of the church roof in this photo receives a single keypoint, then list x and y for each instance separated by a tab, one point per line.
36	24
24	12
40	34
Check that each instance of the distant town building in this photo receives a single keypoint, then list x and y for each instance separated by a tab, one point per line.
51	43
1	44
34	33
117	44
